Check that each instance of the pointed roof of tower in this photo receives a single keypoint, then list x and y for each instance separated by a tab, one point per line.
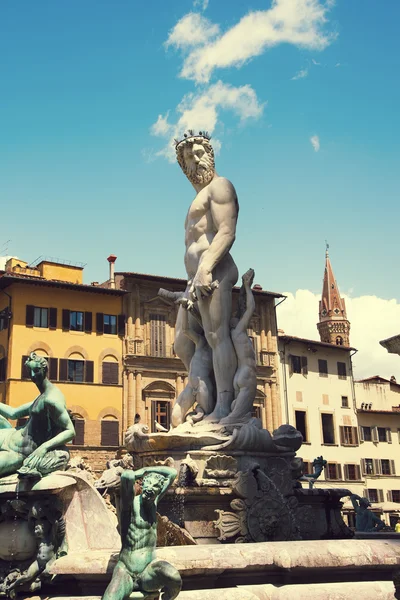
331	306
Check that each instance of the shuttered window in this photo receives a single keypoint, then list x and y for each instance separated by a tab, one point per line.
110	432
78	371
79	425
76	320
53	369
352	472
30	310
348	436
157	335
88	322
111	324
24	369
52	318
110	373
375	495
323	367
341	369
333	471
328	432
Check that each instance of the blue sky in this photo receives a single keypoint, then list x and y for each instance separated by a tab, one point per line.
82	85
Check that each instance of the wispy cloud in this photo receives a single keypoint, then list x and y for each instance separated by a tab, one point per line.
192	30
298	22
314	139
201	111
314	62
298	315
203	4
300	75
338	65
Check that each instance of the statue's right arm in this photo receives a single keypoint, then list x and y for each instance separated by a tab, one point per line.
11	412
127	491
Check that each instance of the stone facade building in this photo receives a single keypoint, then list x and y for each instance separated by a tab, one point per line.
46	308
355	426
154	376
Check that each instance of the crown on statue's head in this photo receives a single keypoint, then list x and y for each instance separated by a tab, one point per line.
191	134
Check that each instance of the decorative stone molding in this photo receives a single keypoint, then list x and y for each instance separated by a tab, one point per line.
109	411
79	410
39	345
79	349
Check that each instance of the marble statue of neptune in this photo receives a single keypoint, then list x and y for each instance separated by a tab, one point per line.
210	230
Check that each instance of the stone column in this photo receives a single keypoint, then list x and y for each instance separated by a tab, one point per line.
268	328
131	399
263	337
275	406
268	406
138	328
139	403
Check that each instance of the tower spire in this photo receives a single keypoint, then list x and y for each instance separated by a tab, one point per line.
333	326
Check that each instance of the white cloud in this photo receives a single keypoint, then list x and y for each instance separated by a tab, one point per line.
372	319
192	30
300	75
314	139
201	111
202	3
161	127
338	65
298	22
314	62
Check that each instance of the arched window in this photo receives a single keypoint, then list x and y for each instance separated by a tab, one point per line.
79	424
339	341
110	370
109	431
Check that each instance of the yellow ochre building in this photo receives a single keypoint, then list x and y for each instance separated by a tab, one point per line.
80	328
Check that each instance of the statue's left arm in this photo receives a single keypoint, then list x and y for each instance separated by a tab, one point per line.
224	210
248	313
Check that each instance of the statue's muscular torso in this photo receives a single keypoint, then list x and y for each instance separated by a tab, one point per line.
140	538
200	228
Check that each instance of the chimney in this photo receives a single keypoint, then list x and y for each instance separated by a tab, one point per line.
111	259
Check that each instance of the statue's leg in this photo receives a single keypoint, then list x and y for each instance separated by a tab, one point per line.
10	461
216	314
243	403
161	575
121	584
182	405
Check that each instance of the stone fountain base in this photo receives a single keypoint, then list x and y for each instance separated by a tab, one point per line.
243	496
316	570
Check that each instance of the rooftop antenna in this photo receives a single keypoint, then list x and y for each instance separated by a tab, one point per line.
4	248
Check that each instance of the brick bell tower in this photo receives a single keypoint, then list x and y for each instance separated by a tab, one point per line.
333	326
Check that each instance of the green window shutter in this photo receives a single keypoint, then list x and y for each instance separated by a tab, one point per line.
99	322
121	325
24	368
30	310
79	425
392	468
355	435
63	373
53	318
388	435
53	369
358	474
304	366
65	319
88	322
89	371
109	432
